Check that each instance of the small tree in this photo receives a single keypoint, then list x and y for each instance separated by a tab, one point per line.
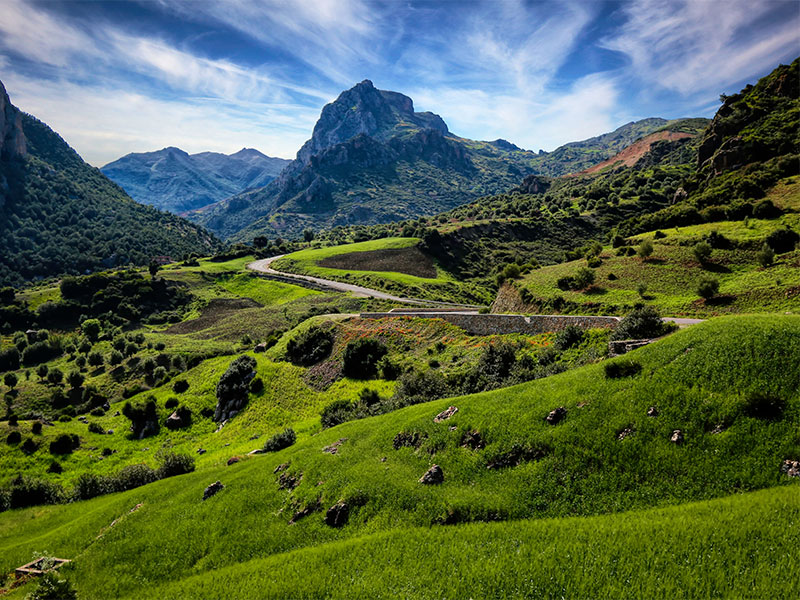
702	252
10	379
765	256
153	267
584	277
115	358
75	379
95	359
645	249
41	371
91	329
55	376
361	358
708	287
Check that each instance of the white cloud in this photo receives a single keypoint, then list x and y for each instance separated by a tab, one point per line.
700	46
103	124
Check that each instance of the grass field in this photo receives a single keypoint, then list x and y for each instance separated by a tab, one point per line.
174	545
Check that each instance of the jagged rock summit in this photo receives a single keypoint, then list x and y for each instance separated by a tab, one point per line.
12	138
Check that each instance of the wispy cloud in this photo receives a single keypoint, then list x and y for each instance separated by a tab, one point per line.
696	46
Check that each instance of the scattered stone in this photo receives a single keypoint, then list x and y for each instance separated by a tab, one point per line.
304	512
582	404
228	444
110	432
212	489
337	514
652	412
556	416
445	414
791	468
233	460
256	451
201	450
281	467
255	437
116	414
472	440
517	455
288	481
408	439
453	427
383	459
334	447
676	437
625	433
262	347
220	426
718	428
433	476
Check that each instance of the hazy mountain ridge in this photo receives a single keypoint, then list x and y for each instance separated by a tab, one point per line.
173	180
63	216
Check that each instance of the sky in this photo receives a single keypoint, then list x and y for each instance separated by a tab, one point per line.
136	76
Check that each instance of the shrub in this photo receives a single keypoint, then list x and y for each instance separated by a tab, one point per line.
115	358
765	256
180	386
641	323
14	438
281	440
29	491
310	347
782	240
171	403
64	444
361	358
336	412
80	361
55	467
91	329
159	374
88	486
567	338
143	418
566	283
641	289
387	369
766	210
659	235
172	464
701	252
617	241
130	349
708	287
9	359
51	587
621	368
420	386
13	420
41	371
593	262
511	271
55	376
496	361
256	385
36	427
95	359
131	477
233	386
584	277
75	379
10	379
645	249
95	427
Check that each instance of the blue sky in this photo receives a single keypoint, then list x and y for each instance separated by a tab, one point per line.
119	77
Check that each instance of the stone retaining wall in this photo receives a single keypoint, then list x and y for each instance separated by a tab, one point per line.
502	324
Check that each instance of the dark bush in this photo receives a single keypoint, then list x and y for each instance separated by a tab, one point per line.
233	386
55	467
64	444
29	446
143	418
621	368
496	361
361	358
13	420
95	359
97	412
765	209
310	347
171	403
172	464
9	359
702	252
281	440
566	283
14	438
708	287
336	413
30	491
36	427
765	256
641	323
75	379
781	240
180	386
96	428
567	338
256	385
765	407
131	477
89	486
420	386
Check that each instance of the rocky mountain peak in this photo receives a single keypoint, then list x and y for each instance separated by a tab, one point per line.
12	138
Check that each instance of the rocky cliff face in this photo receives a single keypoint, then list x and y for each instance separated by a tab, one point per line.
12	139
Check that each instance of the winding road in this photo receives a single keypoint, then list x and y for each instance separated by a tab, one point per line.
263	266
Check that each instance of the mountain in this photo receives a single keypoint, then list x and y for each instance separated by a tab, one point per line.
371	158
60	215
173	180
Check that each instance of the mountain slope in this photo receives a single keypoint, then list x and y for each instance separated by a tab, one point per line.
371	159
60	215
171	179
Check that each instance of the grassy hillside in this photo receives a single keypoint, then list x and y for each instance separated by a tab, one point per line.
606	456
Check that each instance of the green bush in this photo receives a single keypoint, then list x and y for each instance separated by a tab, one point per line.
765	256
621	368
131	477
172	464
88	486
180	386
645	249
701	252
51	587
310	347
584	277
782	240
335	413
708	287
641	323
64	444
567	338
361	358
281	440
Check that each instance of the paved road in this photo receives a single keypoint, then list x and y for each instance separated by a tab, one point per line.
263	266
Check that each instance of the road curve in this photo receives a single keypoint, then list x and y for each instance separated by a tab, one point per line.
263	266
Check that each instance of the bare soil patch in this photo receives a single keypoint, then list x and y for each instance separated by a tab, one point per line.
628	156
410	261
215	311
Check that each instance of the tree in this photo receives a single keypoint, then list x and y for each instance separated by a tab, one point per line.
765	256
91	329
702	252
95	359
153	267
782	240
584	277
361	358
645	249
308	235
115	358
41	371
75	379
708	287
55	376
10	380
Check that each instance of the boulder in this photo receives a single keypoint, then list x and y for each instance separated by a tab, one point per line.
433	476
556	416
262	347
256	451
212	489
233	460
472	440
652	411
625	433
334	447
445	414
676	437
179	419
791	468
337	514
281	467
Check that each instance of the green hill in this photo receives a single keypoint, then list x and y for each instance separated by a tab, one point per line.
58	215
501	461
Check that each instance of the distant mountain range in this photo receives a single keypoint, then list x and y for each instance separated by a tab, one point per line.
60	215
373	159
173	180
